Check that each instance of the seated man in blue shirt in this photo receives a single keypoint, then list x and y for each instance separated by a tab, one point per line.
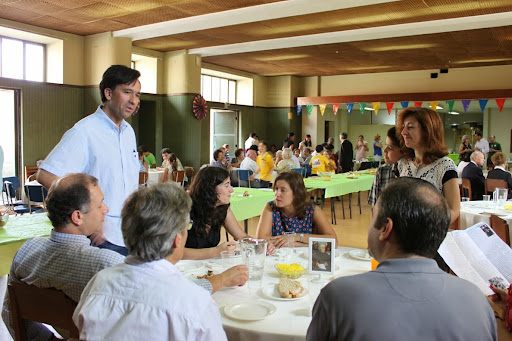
407	297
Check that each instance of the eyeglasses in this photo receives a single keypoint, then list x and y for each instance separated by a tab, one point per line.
190	225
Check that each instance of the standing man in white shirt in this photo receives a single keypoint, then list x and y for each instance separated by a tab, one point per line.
481	144
147	297
249	163
103	145
250	141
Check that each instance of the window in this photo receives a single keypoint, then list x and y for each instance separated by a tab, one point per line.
21	59
218	89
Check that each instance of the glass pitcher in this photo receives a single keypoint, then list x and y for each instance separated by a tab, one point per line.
500	197
254	252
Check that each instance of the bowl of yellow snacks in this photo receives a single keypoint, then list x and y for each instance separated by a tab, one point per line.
326	176
293	271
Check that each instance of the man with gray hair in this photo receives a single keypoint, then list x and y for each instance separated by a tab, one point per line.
473	172
249	163
146	297
407	297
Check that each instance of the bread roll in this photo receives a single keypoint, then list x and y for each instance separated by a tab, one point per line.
290	289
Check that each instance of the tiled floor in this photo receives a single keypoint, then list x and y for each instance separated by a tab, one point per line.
351	232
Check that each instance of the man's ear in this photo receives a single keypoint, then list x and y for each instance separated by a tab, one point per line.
386	231
179	240
108	93
76	217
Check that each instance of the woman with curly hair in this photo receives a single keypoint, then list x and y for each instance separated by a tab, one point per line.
425	153
290	212
210	192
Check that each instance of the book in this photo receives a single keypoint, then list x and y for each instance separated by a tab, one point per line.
479	256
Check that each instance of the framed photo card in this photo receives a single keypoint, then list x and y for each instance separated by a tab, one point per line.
322	254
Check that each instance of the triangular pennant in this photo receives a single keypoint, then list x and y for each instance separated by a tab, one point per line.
433	105
500	102
299	109
465	104
361	107
483	103
376	106
418	104
389	105
350	106
335	108
322	108
404	104
450	105
310	108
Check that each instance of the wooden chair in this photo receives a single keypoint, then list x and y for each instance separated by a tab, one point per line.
166	175
189	171
492	184
50	306
466	188
29	171
143	178
179	177
500	227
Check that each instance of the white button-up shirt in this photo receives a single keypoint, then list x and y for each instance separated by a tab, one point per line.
250	164
97	146
483	145
146	301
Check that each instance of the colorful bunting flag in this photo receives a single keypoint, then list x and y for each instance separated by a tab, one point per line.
418	104
450	105
310	108
376	106
322	108
361	107
433	105
483	103
299	109
500	102
350	106
335	108
404	104
465	104
389	105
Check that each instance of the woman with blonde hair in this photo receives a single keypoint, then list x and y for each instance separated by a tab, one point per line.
287	163
377	149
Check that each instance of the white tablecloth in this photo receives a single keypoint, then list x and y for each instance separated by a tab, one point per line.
291	319
155	176
472	212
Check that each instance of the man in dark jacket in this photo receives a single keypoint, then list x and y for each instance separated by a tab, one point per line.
346	154
473	172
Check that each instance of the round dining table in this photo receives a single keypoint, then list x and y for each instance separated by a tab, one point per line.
283	319
472	212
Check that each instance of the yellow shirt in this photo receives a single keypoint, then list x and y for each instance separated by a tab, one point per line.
318	164
266	163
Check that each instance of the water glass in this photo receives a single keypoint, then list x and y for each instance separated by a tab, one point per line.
230	259
463	199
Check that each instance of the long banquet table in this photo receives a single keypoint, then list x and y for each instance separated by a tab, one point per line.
291	318
247	207
16	232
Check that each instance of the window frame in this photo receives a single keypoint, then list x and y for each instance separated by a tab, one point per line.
229	82
25	42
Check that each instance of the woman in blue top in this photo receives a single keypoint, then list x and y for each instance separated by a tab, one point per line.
290	212
377	149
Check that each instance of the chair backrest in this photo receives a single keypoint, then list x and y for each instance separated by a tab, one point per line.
243	174
189	171
500	227
179	176
36	193
30	170
492	184
166	174
466	188
143	178
50	306
301	171
10	192
14	180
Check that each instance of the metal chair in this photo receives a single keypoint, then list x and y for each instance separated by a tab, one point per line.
13	204
50	306
244	175
301	171
37	194
143	179
466	188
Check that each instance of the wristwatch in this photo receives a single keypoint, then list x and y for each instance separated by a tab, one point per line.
301	237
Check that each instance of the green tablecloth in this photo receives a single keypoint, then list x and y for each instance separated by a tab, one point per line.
341	185
16	232
248	207
454	157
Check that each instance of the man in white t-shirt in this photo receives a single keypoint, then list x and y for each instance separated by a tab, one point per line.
481	144
250	141
249	163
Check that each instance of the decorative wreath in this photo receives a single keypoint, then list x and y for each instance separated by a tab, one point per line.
199	107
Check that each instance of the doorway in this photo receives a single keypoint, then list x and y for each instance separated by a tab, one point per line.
10	136
329	130
223	130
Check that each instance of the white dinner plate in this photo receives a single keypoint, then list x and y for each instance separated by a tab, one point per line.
305	254
189	266
243	196
272	291
249	311
360	255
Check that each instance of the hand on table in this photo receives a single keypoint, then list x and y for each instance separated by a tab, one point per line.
282	241
235	276
97	238
226	246
271	249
